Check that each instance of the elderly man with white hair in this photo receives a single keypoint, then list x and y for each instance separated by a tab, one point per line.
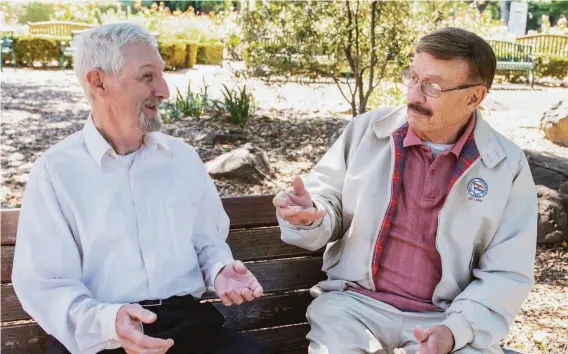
121	229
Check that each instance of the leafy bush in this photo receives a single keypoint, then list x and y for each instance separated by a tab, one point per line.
174	54
192	104
33	49
553	66
35	11
210	54
238	104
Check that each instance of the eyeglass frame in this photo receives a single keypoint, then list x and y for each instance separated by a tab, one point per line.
462	87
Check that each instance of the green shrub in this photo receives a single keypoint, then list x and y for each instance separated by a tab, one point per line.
210	53
174	54
191	58
553	66
238	104
192	104
35	49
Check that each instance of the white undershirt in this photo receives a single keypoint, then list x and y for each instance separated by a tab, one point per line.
438	149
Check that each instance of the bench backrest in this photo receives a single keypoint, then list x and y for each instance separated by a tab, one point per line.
511	52
56	28
286	273
551	44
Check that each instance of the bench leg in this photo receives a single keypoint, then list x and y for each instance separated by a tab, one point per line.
62	46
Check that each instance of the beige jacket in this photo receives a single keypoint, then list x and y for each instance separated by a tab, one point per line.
487	244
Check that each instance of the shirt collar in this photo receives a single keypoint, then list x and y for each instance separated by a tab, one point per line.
412	139
98	147
155	142
96	143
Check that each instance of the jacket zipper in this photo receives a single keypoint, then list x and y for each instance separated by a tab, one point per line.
376	238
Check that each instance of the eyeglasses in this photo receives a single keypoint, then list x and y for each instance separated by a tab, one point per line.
431	89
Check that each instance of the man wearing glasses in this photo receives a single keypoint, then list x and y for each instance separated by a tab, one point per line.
428	216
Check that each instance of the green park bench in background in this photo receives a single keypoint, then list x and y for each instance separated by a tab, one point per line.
514	57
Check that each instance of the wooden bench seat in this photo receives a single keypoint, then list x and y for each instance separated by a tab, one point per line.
277	318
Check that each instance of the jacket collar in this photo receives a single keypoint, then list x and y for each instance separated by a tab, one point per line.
490	150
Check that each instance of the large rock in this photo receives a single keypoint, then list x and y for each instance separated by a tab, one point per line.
247	163
554	123
552	215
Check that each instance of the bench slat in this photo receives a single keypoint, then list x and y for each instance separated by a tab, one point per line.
7	258
9	226
268	311
275	275
263	244
244	212
30	339
284	340
246	245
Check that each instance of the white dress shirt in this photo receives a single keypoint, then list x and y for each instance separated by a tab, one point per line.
98	230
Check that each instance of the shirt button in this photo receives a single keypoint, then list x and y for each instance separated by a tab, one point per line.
432	173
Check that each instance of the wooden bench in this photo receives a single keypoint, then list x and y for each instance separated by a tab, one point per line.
56	28
277	318
514	57
547	44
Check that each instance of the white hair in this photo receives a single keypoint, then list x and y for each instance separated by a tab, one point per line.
99	48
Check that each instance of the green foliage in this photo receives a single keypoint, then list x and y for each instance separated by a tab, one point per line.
174	54
192	104
30	50
366	42
210	54
540	8
551	66
83	11
387	94
35	11
238	104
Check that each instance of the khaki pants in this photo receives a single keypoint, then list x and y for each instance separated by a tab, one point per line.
350	323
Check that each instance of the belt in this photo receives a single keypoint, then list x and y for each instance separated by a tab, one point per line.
171	301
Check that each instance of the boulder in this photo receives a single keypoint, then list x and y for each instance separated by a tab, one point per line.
554	123
247	163
552	215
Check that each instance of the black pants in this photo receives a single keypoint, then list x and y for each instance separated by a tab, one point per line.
195	328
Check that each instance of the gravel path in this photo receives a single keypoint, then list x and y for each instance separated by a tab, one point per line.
292	125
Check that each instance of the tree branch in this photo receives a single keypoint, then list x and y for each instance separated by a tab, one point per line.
370	88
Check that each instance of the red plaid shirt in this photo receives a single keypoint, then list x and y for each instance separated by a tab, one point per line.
406	263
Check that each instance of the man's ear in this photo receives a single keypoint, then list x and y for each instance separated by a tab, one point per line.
477	96
96	80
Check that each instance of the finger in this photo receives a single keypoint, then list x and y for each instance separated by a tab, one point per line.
135	335
257	290
289	211
280	200
131	347
420	334
225	300
305	217
247	294
299	188
235	297
240	268
138	312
